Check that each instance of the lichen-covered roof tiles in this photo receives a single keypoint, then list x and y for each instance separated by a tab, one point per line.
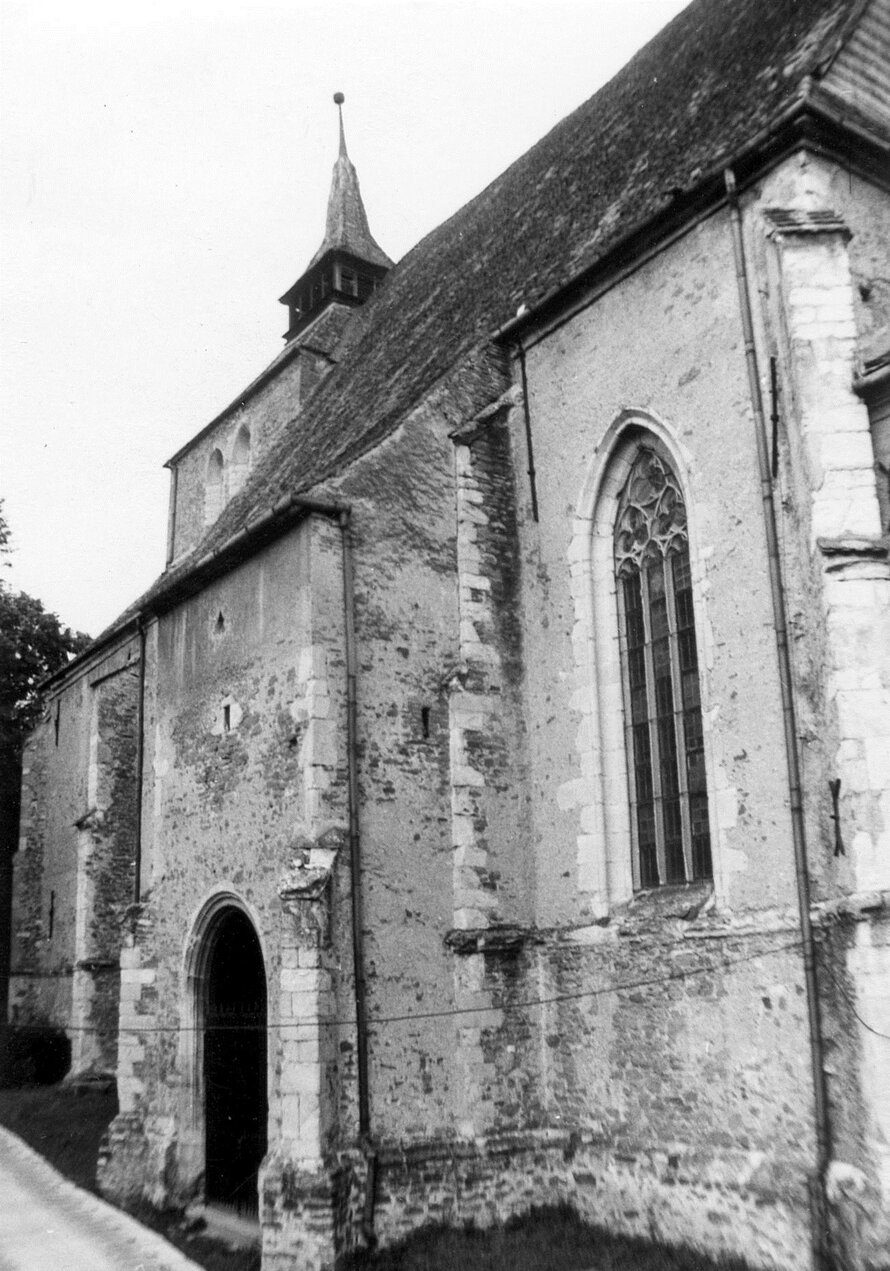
704	91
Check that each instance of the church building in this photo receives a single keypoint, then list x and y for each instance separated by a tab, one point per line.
489	805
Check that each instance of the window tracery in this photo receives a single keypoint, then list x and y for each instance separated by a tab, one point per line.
659	662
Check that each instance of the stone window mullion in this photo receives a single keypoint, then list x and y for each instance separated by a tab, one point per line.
654	739
628	736
679	723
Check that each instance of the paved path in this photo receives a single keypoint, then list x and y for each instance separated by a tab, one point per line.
48	1224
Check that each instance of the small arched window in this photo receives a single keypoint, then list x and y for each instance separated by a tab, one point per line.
240	465
659	664
213	487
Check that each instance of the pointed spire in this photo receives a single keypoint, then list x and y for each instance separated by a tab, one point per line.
340	99
348	267
346	228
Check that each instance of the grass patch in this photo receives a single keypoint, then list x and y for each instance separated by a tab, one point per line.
65	1127
543	1240
212	1255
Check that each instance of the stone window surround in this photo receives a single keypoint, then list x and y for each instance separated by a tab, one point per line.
604	860
877	402
666	535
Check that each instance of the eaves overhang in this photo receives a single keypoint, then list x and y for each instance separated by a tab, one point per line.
818	123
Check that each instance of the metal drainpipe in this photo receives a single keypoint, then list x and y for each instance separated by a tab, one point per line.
140	755
171	515
821	1234
358	956
532	478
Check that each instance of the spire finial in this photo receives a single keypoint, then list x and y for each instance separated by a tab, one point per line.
339	99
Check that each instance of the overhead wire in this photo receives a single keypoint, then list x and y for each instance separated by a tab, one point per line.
849	1000
450	1012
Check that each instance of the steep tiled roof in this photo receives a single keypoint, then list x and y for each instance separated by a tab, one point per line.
719	76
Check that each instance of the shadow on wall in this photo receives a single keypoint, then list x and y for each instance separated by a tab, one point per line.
33	1055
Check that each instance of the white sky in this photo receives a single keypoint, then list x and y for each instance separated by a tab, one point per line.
164	173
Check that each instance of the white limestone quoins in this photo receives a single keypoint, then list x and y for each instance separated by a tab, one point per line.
469	856
834	431
817	290
471	715
137	975
305	980
319	749
470	515
303	1079
473	900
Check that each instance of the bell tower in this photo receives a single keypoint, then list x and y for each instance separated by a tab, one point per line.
349	265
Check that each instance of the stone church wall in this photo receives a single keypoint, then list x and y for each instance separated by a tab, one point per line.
241	779
74	875
407	621
537	1029
275	782
660	351
263	414
645	1061
40	986
826	312
713	974
672	1043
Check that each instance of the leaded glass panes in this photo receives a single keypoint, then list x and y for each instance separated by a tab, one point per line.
663	725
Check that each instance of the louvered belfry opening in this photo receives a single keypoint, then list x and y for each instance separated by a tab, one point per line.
659	659
349	265
235	1088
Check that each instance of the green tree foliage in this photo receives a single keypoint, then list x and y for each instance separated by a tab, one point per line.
33	644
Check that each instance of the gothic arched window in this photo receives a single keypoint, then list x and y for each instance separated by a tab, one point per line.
213	487
659	663
240	463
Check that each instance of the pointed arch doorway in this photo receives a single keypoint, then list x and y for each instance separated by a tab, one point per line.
234	1063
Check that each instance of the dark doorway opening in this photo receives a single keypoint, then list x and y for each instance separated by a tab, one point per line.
235	1064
